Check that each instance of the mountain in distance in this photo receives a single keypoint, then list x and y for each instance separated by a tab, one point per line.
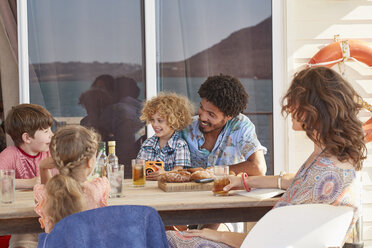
246	53
76	71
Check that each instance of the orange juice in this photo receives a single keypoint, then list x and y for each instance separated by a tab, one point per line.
219	184
138	175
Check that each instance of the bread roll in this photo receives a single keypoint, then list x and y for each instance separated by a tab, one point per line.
197	175
192	170
176	177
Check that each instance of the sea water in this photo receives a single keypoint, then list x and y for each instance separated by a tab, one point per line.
61	99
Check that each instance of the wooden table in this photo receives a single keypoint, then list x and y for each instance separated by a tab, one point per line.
175	208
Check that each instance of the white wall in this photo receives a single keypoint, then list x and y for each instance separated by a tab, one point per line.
311	25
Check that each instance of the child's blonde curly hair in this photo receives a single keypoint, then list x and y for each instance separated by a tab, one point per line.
176	109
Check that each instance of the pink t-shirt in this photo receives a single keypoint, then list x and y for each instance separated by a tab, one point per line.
96	194
26	166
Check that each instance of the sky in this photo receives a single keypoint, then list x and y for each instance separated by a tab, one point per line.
110	30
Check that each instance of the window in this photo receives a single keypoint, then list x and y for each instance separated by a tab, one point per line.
197	39
71	43
85	61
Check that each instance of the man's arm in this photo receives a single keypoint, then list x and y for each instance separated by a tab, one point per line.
255	165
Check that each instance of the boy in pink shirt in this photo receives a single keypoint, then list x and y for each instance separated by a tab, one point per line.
29	126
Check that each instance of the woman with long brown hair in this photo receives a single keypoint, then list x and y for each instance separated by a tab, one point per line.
325	106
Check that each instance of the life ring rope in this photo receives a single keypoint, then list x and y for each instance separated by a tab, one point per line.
338	61
345	49
361	63
326	63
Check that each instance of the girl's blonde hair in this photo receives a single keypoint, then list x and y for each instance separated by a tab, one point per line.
71	148
176	109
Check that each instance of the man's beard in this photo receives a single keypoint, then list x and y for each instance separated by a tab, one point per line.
219	125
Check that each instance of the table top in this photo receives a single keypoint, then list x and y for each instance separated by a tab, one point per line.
150	195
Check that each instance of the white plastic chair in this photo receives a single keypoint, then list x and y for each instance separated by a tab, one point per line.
301	226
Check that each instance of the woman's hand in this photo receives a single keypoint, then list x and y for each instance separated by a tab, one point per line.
153	176
230	238
235	183
205	233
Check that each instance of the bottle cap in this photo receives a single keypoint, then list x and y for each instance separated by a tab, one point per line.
111	143
102	145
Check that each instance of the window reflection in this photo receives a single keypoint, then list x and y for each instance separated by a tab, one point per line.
82	56
198	39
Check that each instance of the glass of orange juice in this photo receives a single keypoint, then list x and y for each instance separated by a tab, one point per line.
221	179
138	172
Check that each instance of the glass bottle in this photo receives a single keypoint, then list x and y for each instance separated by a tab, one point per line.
101	160
112	159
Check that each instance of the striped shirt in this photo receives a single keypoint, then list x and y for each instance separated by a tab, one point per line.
26	166
174	153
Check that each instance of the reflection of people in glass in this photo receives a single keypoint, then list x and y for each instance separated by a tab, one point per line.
105	82
120	122
100	95
94	100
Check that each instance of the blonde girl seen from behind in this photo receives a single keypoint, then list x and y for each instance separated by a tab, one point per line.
73	149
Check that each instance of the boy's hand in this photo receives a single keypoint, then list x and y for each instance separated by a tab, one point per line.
45	166
154	175
47	163
26	183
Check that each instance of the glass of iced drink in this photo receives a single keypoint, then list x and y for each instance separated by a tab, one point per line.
7	185
115	175
221	179
138	172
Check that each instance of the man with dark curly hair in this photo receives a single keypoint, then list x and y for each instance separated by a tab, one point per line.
221	134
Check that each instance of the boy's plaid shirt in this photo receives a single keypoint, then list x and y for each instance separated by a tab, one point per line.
175	153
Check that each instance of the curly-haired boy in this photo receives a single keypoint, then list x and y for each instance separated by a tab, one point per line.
168	113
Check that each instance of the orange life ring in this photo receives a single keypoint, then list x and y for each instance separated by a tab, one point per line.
341	50
337	52
367	127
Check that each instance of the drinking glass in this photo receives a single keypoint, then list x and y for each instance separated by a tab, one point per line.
138	172
7	179
115	177
221	179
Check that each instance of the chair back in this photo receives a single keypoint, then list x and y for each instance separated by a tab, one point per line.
114	226
301	226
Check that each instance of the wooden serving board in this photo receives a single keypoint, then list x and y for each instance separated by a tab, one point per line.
184	187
